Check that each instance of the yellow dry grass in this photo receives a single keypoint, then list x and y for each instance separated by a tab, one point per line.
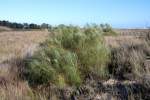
13	45
3	28
19	91
116	41
19	43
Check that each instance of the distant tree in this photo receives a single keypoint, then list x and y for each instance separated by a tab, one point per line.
0	23
26	26
34	26
44	26
50	27
107	28
15	25
4	23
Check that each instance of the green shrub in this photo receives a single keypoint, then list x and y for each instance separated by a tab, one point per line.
60	29
38	70
90	49
65	62
49	63
67	57
102	29
107	29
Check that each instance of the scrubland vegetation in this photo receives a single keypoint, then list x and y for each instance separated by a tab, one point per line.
74	63
72	54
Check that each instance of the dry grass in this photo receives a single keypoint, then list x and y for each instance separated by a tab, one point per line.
2	28
16	45
116	41
129	51
132	32
12	87
130	63
19	43
20	91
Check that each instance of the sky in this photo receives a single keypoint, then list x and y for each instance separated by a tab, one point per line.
118	13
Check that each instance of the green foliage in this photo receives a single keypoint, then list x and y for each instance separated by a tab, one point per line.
107	29
37	70
61	29
70	55
65	62
49	63
90	49
103	29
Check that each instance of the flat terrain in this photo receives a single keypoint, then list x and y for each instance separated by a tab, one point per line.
19	43
120	40
132	32
2	28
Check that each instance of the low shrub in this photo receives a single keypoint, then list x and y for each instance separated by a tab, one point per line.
67	57
38	70
49	63
60	29
103	29
90	49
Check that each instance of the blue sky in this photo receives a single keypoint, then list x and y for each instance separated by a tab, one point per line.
118	13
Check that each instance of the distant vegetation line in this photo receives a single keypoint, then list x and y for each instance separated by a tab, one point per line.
15	25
